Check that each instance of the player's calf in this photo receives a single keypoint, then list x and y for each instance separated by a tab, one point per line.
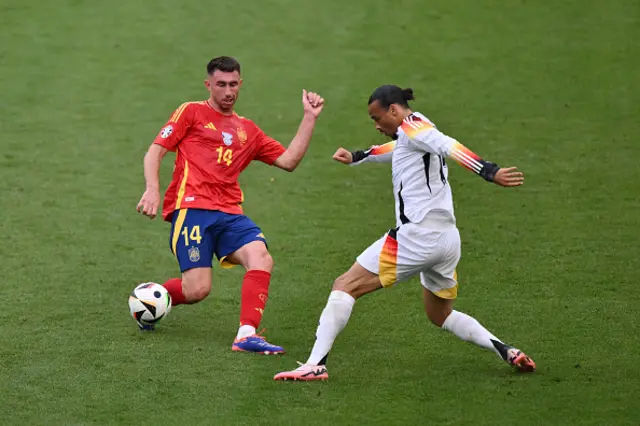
469	329
255	258
437	309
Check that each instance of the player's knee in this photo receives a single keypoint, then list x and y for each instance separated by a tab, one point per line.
357	282
341	284
197	294
195	291
349	286
260	260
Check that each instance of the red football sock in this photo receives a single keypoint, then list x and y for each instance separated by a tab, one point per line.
255	291
174	287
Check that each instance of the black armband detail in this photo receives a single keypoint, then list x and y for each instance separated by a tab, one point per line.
489	170
359	155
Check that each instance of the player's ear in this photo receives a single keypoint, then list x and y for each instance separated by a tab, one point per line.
207	84
393	110
240	83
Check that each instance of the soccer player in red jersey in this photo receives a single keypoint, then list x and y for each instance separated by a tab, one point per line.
204	201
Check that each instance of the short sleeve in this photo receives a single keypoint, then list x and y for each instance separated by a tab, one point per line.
269	149
175	129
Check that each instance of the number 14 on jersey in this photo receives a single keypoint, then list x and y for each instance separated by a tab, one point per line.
225	155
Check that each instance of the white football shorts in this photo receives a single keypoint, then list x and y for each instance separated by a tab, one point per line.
431	249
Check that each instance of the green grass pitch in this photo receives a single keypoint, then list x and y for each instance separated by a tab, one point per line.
548	86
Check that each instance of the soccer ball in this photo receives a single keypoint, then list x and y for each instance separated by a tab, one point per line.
149	303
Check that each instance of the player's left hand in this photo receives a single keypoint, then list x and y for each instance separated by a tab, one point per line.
312	103
509	176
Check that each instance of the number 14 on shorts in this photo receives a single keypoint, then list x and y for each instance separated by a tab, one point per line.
191	235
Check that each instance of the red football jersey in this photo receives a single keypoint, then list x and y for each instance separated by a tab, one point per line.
212	150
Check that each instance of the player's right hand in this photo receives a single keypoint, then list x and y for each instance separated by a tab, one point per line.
149	203
312	103
343	156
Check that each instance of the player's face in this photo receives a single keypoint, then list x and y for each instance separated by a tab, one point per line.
224	87
386	120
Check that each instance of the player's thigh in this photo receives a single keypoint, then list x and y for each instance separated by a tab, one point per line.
191	239
357	281
242	242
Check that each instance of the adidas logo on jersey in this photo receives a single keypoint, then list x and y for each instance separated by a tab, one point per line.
210	126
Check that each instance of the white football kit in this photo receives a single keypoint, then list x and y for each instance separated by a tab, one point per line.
426	240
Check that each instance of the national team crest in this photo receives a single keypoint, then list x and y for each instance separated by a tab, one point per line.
166	132
227	138
194	254
242	135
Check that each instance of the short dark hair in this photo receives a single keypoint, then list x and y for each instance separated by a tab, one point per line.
389	94
224	64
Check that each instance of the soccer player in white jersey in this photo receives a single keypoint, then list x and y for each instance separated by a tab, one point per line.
425	241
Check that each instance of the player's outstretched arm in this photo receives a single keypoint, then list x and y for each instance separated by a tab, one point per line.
426	137
375	154
312	104
150	200
489	171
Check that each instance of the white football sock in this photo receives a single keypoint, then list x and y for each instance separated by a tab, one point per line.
245	331
332	321
469	329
